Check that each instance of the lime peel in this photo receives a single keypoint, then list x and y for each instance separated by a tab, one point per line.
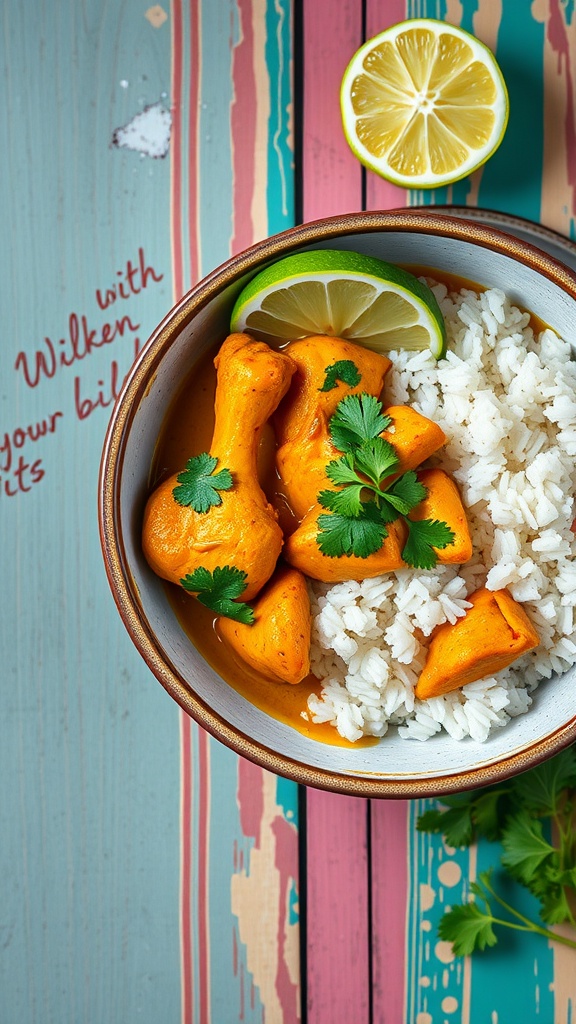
345	294
399	127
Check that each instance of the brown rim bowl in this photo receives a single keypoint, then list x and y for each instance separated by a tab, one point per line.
393	767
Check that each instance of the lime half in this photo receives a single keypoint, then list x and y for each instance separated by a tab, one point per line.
342	294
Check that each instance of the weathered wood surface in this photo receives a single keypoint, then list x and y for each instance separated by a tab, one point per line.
147	872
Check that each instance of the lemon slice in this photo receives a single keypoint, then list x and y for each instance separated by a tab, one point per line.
423	103
342	294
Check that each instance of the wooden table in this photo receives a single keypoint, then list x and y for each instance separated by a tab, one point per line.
148	873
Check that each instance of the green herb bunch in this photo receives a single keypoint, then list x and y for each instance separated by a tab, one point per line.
368	498
518	814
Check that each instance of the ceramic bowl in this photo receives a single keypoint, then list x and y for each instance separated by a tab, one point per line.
393	767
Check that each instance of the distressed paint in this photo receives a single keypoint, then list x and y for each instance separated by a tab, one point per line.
337	937
332	177
337	909
269	938
381	194
241	850
88	740
559	161
389	838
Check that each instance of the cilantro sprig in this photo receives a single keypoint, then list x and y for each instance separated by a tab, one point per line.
343	370
218	591
367	501
199	484
520	815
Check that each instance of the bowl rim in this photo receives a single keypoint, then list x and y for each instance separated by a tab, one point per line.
123	587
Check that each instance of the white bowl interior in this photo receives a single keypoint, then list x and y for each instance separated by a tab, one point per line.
393	758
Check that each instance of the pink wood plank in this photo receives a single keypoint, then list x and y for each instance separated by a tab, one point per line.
332	175
337	868
389	819
381	194
338	972
389	889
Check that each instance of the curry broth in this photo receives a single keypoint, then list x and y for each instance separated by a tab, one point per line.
186	432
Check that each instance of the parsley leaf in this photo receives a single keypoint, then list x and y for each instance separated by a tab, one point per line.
423	536
468	928
455	822
357	418
525	848
343	370
217	590
346	535
199	484
519	813
540	788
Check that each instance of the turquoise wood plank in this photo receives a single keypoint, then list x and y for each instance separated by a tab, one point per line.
88	741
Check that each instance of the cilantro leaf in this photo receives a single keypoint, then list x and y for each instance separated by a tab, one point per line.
341	471
346	502
376	459
199	485
540	788
408	488
343	370
525	848
357	418
490	810
455	823
217	590
468	928
345	535
423	536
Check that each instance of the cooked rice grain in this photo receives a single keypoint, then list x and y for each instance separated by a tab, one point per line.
505	400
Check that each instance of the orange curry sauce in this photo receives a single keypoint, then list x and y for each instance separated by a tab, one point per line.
186	432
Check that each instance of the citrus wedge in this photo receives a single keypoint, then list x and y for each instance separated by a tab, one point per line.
423	104
343	294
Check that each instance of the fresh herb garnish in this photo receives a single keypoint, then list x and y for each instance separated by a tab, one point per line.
199	484
218	590
517	814
365	504
343	370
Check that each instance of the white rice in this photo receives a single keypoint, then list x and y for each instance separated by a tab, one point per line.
506	402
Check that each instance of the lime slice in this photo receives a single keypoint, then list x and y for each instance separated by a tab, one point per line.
423	104
342	294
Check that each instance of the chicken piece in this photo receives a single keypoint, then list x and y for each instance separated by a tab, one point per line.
277	645
414	437
301	550
301	423
492	634
243	530
442	502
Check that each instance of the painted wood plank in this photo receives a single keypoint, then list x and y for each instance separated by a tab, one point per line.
381	194
88	741
239	854
337	947
436	985
331	174
338	941
389	868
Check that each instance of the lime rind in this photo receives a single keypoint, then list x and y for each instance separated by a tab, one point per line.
381	167
332	265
